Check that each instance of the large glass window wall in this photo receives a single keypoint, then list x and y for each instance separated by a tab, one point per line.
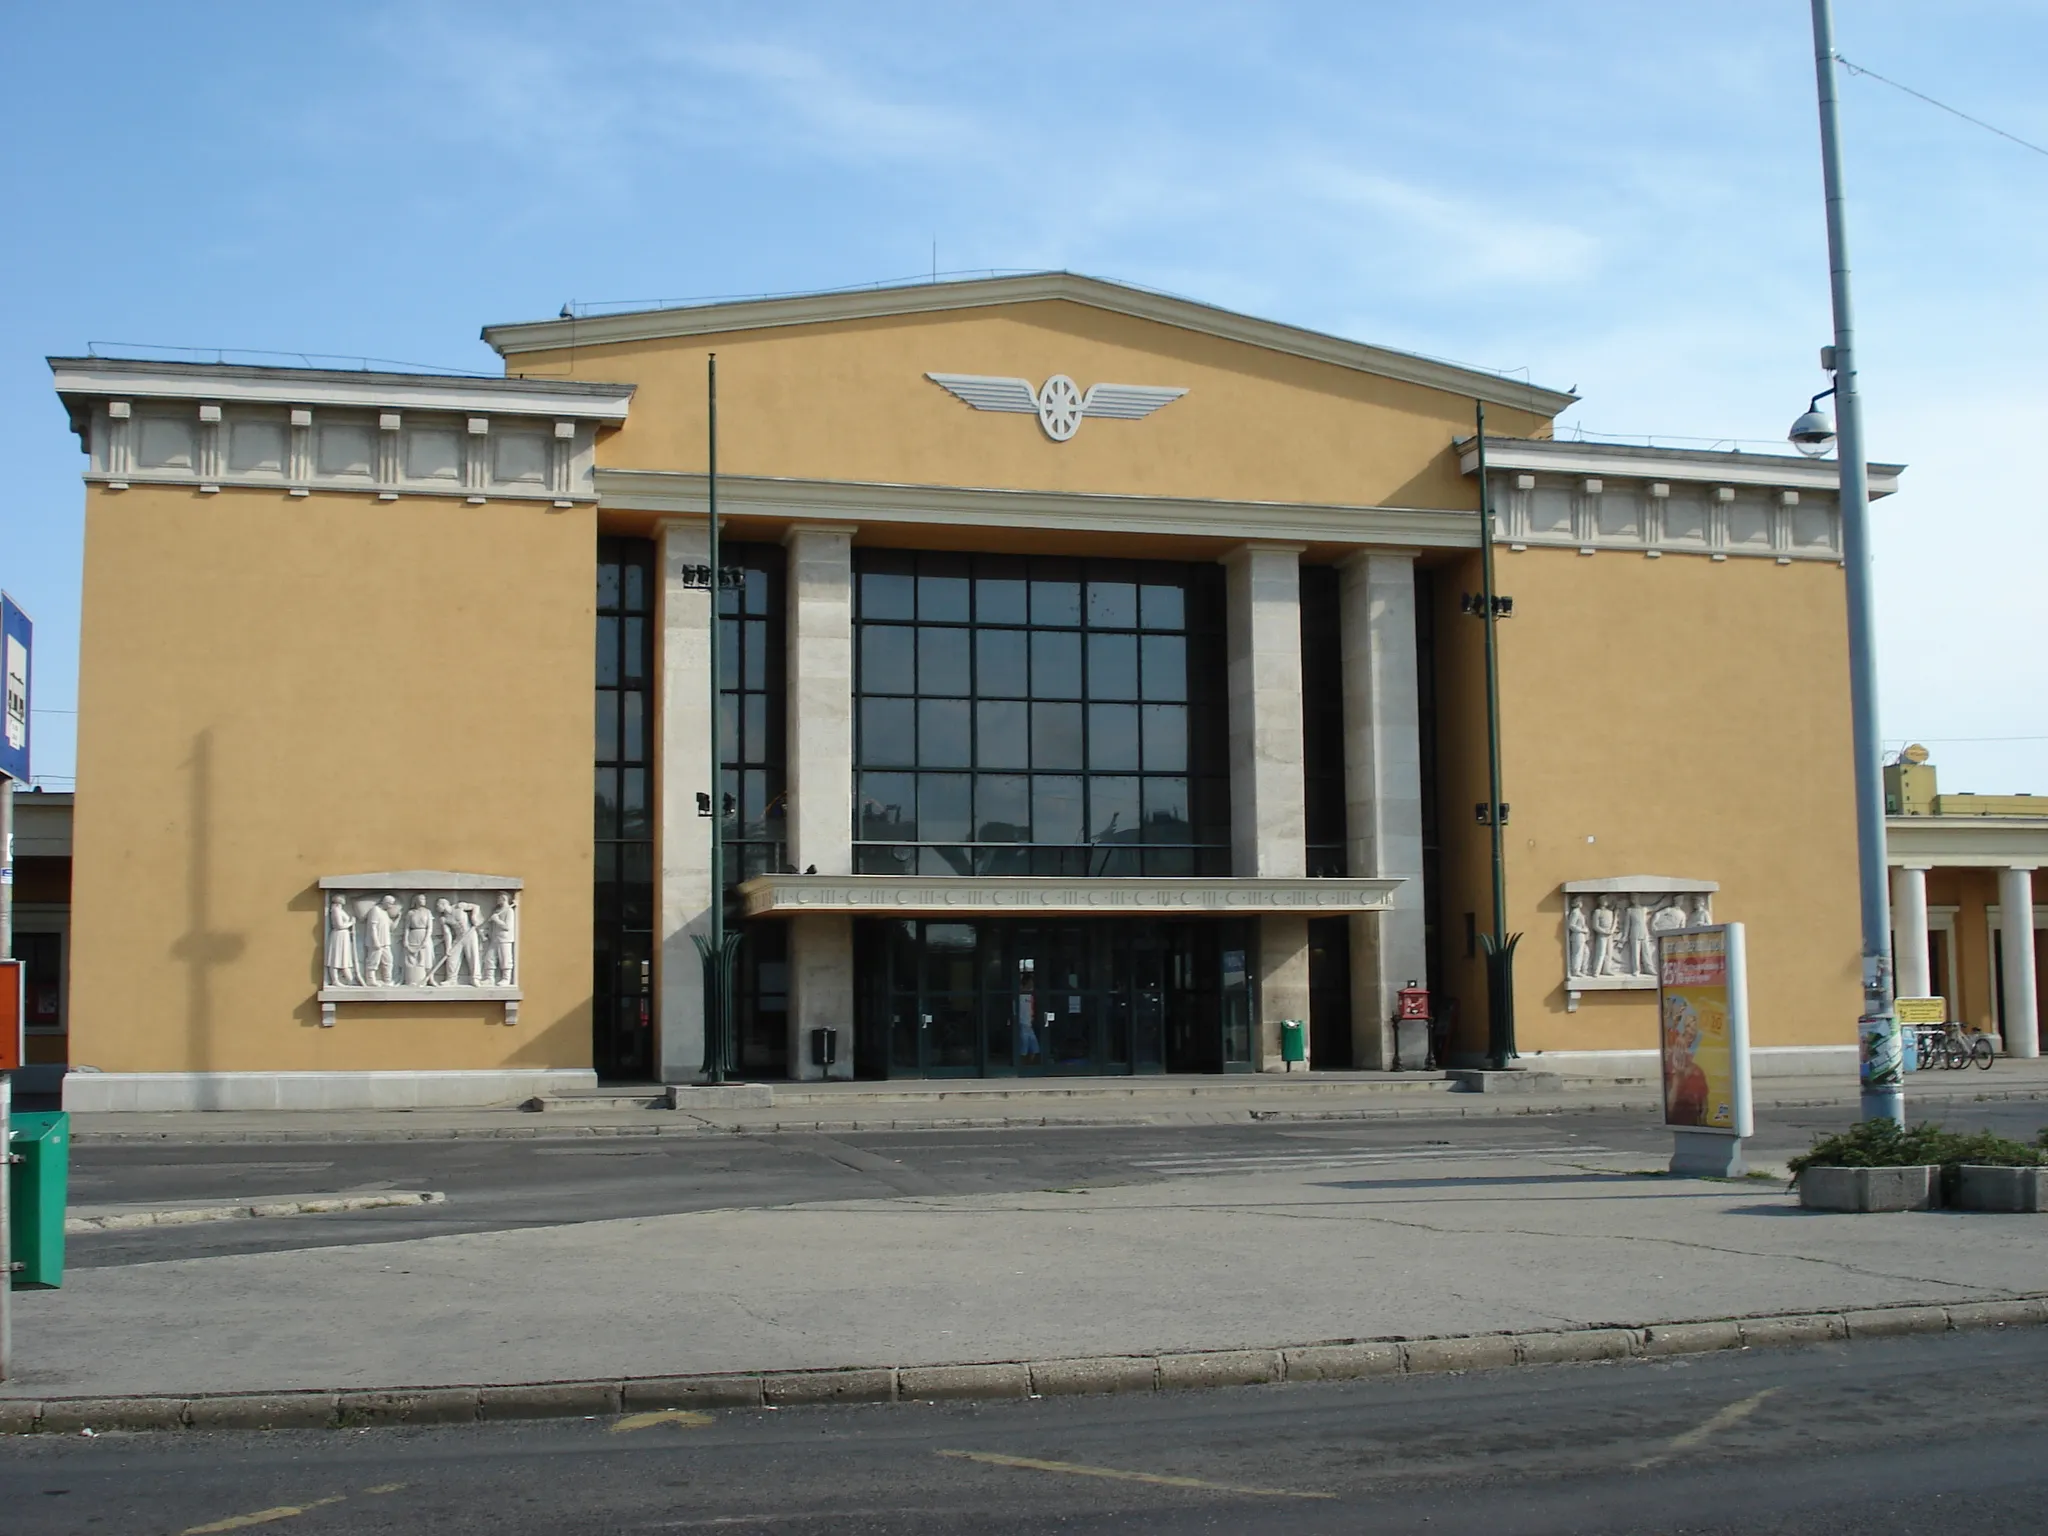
752	817
623	853
1027	716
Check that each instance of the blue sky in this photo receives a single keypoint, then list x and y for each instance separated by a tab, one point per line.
1618	197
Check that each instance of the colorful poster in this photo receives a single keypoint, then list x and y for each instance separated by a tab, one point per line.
1704	1029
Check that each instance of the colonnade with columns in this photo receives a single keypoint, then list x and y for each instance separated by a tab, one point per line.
1912	929
1268	800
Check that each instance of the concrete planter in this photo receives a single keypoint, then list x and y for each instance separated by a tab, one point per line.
1982	1187
1871	1189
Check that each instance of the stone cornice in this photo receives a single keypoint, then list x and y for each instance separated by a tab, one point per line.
1596	497
131	379
1971	842
928	298
1625	461
868	503
783	895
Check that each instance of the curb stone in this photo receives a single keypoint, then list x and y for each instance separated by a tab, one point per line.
324	1205
1341	1360
1695	1338
687	1127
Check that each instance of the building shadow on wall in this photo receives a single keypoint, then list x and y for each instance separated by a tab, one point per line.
202	948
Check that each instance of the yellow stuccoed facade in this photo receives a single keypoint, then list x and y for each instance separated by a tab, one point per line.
293	669
1680	716
275	689
850	402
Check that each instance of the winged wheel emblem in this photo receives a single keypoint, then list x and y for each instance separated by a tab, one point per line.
1058	403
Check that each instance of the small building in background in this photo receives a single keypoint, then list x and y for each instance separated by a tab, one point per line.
42	930
1968	899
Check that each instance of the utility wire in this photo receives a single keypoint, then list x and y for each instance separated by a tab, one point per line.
1858	69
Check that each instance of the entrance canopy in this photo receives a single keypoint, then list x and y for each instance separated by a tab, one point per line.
907	895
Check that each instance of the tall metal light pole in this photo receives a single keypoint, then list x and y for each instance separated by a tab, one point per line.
1499	944
1883	1086
717	952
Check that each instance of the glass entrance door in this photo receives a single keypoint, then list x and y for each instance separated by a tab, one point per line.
1068	997
933	1003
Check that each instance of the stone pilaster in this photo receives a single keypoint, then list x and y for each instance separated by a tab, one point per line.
819	757
2022	1018
1909	932
1382	790
683	896
1268	804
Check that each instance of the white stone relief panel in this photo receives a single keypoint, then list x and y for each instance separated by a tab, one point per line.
419	936
256	448
519	458
168	442
344	449
1611	927
433	453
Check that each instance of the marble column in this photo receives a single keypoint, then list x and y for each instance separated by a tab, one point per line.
2022	1019
1268	803
683	893
1382	790
819	776
1909	932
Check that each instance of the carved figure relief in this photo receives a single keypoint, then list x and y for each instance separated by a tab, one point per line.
501	936
1610	933
385	935
1578	937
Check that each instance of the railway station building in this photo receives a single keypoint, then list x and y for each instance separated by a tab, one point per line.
1101	687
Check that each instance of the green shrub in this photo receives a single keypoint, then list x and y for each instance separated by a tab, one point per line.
1881	1144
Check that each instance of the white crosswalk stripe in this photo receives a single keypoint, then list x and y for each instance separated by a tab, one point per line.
1183	1164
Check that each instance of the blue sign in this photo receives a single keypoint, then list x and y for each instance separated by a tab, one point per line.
15	635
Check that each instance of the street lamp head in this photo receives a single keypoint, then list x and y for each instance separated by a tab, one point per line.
1814	432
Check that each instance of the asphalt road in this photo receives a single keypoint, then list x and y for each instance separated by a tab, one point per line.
1931	1434
495	1185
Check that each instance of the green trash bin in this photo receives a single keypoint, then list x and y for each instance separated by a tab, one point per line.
1293	1042
35	1190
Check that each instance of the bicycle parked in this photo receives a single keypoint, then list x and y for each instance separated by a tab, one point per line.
1946	1046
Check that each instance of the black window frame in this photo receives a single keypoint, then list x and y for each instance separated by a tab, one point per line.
1126	637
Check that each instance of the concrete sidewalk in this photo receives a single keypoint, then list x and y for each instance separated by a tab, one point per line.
1013	1102
1266	1258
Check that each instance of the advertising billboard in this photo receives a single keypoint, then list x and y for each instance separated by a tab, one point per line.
1703	1013
15	637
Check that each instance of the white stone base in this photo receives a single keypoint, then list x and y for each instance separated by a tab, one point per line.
100	1092
1764	1061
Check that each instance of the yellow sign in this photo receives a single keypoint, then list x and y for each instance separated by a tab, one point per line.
1705	1029
1920	1010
